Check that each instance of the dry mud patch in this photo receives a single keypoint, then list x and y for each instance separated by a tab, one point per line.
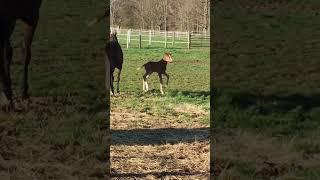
145	146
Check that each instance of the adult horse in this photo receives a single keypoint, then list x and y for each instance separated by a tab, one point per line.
10	12
115	57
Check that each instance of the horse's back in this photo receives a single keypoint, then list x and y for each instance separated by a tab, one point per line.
115	54
26	10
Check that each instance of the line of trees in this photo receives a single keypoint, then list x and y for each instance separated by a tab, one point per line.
182	15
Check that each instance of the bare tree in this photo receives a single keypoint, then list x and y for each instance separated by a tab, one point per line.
191	15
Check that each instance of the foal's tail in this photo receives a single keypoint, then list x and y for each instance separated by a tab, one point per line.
140	67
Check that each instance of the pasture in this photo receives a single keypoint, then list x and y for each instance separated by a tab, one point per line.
266	90
58	133
155	136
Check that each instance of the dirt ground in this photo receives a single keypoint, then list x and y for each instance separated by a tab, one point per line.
149	147
27	153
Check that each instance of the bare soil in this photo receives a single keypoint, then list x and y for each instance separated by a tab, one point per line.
149	147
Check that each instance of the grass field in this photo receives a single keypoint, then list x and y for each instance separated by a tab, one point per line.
266	90
58	133
155	136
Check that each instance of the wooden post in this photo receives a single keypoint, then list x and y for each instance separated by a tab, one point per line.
173	37
165	39
150	37
189	39
140	39
128	38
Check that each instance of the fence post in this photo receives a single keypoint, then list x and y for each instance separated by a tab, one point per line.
173	38
165	38
189	39
140	39
150	37
128	38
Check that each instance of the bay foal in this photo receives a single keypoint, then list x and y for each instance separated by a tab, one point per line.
159	67
10	12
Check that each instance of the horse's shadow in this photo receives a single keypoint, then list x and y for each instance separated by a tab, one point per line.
275	103
158	136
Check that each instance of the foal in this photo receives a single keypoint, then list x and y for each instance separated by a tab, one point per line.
10	12
115	56
160	67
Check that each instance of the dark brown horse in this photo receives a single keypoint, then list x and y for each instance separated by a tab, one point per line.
115	56
10	12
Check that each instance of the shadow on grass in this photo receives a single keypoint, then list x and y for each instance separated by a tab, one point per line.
276	103
191	94
158	136
156	174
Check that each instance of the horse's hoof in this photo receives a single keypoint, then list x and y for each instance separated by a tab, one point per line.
25	96
8	107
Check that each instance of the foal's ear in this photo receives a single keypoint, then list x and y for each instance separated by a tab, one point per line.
167	57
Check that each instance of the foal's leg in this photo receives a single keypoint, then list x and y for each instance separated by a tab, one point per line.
167	75
118	81
145	84
161	82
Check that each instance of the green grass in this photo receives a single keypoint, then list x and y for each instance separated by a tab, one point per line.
68	96
188	83
266	73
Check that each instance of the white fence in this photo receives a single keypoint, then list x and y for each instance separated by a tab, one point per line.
148	38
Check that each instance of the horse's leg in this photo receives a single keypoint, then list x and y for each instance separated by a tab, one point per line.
6	55
8	62
118	81
5	60
2	68
107	74
111	83
28	37
161	82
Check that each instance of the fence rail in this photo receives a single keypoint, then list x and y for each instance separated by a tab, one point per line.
148	38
